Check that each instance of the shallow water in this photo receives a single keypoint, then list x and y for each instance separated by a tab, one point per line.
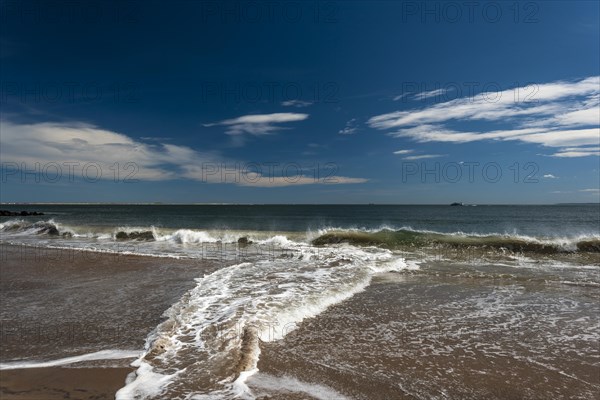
318	301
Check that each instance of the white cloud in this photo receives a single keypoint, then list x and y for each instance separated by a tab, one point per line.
296	103
570	152
423	156
406	151
549	176
350	128
45	143
557	114
265	181
587	116
258	124
59	143
430	93
590	190
400	96
561	138
557	138
423	95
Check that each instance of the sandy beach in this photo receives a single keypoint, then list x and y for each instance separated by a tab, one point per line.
62	383
59	303
405	337
274	318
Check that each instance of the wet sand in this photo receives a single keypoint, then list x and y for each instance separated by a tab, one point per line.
416	334
62	383
421	337
59	303
62	303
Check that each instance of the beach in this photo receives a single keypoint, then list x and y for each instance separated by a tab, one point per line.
140	311
399	338
406	338
60	303
62	383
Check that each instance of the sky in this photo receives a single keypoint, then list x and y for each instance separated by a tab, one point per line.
300	102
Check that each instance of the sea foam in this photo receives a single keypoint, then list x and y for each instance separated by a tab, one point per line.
212	334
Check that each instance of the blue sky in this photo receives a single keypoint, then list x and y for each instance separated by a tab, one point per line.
300	102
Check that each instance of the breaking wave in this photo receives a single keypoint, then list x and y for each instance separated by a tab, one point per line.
385	237
405	238
209	344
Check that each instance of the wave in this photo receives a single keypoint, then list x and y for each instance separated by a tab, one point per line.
49	227
135	235
185	236
141	234
405	238
209	344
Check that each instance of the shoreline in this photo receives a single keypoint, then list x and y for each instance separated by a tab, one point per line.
445	329
58	304
83	383
399	339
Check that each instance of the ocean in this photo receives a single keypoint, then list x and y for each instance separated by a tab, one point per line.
315	301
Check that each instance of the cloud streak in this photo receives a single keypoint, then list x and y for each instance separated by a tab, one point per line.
300	180
423	156
557	114
296	103
422	95
258	124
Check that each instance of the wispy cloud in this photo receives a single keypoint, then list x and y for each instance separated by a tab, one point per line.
418	156
350	128
550	176
40	144
423	95
424	156
559	114
430	93
577	152
401	96
81	143
258	124
590	190
301	180
296	103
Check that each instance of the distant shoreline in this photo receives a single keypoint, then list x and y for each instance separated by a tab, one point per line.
287	204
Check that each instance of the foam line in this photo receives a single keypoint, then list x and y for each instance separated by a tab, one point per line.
99	355
290	384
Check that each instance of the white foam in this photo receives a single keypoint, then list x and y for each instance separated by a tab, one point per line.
278	240
183	236
12	223
143	383
99	355
287	384
233	308
239	388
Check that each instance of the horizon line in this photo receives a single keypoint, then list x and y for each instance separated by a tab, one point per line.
287	204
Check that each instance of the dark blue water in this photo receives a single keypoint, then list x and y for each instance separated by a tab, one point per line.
530	220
